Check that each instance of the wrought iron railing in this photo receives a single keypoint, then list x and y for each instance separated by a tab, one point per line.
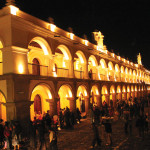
35	69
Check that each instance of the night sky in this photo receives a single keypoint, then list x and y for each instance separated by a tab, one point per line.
125	24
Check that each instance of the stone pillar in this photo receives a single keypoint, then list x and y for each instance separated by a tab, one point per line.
15	60
52	106
71	68
98	100
50	67
119	96
133	95
87	103
85	69
72	103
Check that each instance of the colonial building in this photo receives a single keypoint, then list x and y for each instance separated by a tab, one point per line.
43	67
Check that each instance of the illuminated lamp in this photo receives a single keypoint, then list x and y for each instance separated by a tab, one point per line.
86	42
13	10
52	27
20	68
71	35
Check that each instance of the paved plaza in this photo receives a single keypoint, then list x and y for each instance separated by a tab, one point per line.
80	138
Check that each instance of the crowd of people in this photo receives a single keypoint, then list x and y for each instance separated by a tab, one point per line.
130	112
42	131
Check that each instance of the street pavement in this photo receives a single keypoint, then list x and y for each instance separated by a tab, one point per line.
80	138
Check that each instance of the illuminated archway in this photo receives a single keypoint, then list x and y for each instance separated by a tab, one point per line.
95	96
92	67
62	60
40	96
126	74
136	91
39	49
103	70
80	63
124	94
65	92
112	95
122	74
2	107
111	71
1	59
81	94
104	94
128	92
117	72
119	96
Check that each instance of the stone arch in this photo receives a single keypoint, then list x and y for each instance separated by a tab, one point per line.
95	95
64	49
65	93
80	65
92	67
118	92
111	70
117	72
43	45
82	95
45	93
104	93
39	49
102	70
3	114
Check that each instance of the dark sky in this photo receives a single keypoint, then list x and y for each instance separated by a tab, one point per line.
125	24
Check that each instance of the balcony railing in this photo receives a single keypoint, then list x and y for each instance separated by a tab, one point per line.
62	72
38	69
78	74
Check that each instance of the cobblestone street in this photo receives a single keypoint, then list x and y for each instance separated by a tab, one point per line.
81	138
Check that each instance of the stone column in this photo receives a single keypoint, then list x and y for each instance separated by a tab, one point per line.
71	68
85	69
50	67
15	60
87	103
52	106
72	103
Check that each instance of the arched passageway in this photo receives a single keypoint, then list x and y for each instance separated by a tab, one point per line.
80	65
105	96
92	68
82	98
95	96
65	95
3	107
39	56
119	95
62	62
112	95
41	96
102	70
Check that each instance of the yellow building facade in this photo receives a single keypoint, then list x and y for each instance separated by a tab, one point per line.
43	67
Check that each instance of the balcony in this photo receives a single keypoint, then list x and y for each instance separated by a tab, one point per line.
35	69
62	72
